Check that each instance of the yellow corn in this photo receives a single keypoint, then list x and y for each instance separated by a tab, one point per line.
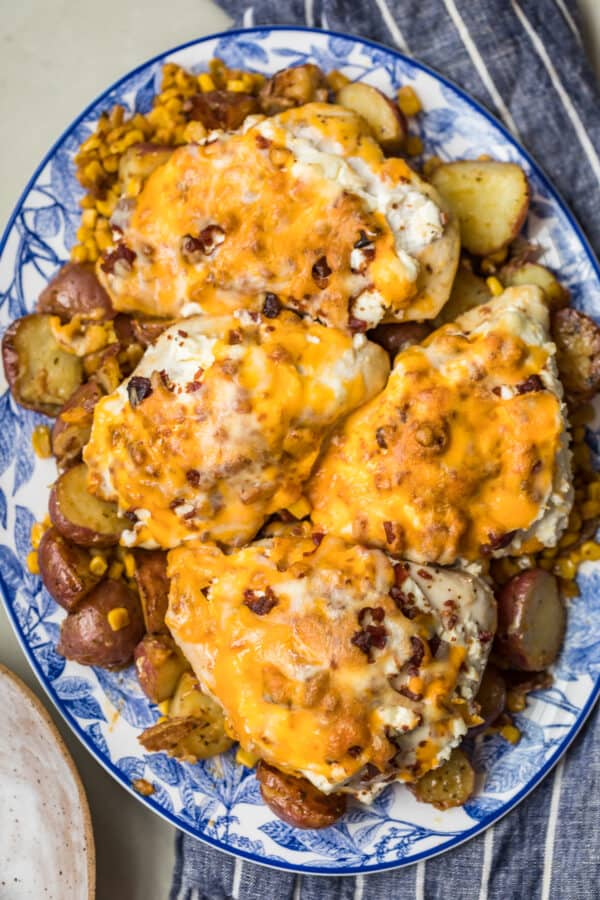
336	80
98	565
594	491
565	568
194	132
115	570
569	589
103	241
236	85
88	218
590	509
205	82
40	441
78	254
515	701
583	416
129	563
413	145
495	285
37	533
590	550
300	508
133	187
32	563
106	207
408	100
93	171
118	618
567	540
511	734
91	249
245	758
163	707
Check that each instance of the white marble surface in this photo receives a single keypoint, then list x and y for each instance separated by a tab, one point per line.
54	58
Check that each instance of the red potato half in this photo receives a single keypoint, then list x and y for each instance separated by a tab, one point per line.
531	621
296	800
153	585
556	295
86	635
71	430
80	516
491	698
577	339
159	666
65	569
383	116
397	337
75	290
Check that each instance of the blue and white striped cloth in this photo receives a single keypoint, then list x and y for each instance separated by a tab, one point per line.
525	62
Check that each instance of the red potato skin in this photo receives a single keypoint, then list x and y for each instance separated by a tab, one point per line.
12	369
491	698
221	109
78	534
153	585
520	622
158	665
64	568
75	290
396	337
68	439
86	635
296	801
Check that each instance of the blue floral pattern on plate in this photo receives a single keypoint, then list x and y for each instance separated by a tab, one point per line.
218	801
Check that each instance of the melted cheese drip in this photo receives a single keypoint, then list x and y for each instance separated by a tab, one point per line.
232	427
295	689
451	459
287	192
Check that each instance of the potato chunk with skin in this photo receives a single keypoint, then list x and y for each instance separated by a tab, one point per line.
71	430
468	290
297	801
490	199
75	290
159	666
577	339
531	621
557	296
79	515
383	116
65	569
292	87
153	585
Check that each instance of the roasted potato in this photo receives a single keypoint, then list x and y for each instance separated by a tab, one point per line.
468	290
221	109
188	699
451	784
491	698
40	374
140	160
153	585
490	199
87	635
531	621
383	116
159	665
71	430
293	87
75	290
395	338
556	295
79	515
296	800
65	569
577	339
105	367
143	331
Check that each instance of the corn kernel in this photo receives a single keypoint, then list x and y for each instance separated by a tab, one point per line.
590	550
546	564
245	758
408	100
40	441
300	508
104	241
495	286
583	416
118	618
579	434
236	85
93	171
515	701
91	249
129	563
32	563
161	719
194	132
569	589
163	707
336	80
37	533
567	540
88	218
206	83
115	570
106	207
511	734
133	187
413	145
98	565
590	509
565	568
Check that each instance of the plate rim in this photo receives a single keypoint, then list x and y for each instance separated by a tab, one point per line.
482	824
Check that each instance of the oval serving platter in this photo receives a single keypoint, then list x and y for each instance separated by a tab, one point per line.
218	801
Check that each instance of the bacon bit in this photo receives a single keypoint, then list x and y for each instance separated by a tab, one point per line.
356	325
530	385
130	515
138	389
317	537
354	751
380	438
425	574
406	692
166	381
363	241
403	602
400	573
193	386
119	261
321	271
390	534
418	652
234	337
377	613
192	476
262	142
373	636
434	644
182	333
271	306
261	604
497	542
370	771
486	636
194	248
497	391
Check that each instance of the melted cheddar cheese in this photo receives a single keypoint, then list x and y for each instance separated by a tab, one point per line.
303	205
464	453
222	421
329	660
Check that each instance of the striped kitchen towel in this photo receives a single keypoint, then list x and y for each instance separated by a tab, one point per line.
525	62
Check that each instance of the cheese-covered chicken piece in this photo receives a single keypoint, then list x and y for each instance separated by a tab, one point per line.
331	660
465	453
303	205
221	423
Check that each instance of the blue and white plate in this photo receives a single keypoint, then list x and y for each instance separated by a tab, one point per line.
216	800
